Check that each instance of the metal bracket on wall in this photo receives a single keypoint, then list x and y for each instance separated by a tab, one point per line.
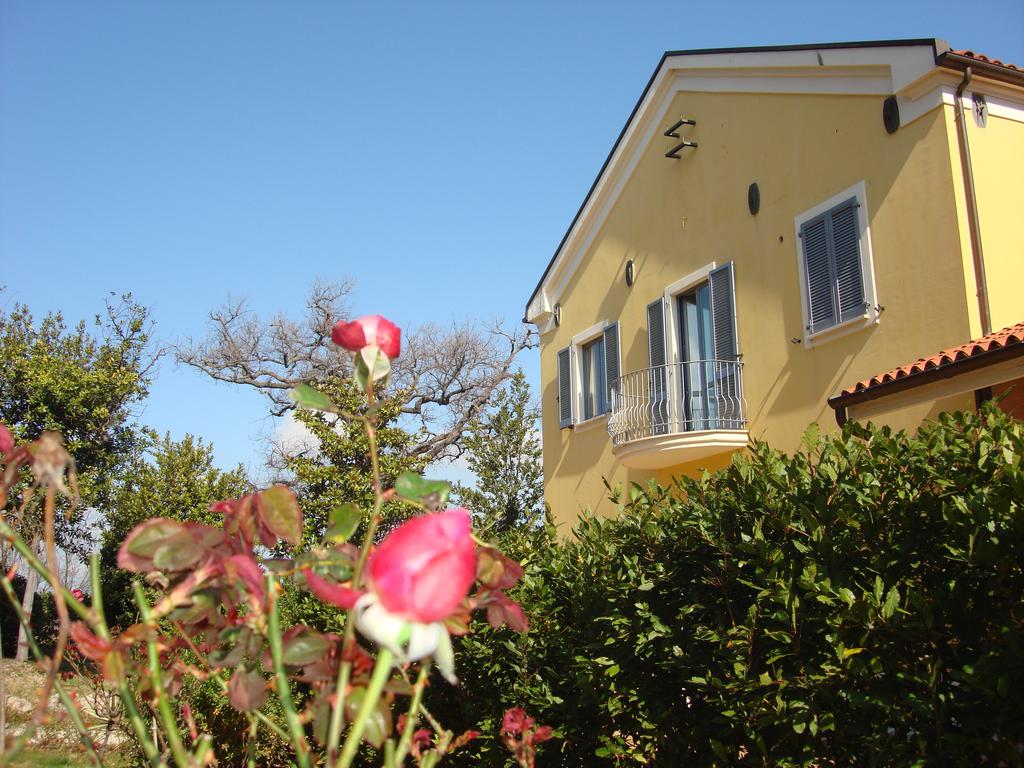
672	133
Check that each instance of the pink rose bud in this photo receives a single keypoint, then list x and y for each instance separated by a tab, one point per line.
369	331
77	594
6	438
424	568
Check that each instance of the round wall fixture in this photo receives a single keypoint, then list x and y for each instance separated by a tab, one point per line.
558	314
629	273
891	114
754	198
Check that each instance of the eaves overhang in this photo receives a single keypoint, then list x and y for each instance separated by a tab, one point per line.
993	351
887	70
982	66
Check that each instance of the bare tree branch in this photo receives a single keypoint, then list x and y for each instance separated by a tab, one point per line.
444	377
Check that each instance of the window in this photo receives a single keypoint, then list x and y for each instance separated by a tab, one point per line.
835	265
694	378
593	379
587	371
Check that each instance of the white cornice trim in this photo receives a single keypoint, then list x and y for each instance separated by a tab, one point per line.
860	71
938	88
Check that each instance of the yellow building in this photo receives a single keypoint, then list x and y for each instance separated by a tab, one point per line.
771	226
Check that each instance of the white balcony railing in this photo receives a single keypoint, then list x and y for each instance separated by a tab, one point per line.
694	396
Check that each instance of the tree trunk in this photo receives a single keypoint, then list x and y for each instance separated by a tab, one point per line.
31	584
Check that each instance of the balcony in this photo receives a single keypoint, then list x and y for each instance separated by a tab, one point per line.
676	413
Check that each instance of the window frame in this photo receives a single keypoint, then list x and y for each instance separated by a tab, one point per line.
671	311
871	314
580	340
593	370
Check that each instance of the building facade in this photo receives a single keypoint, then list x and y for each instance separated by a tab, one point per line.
772	225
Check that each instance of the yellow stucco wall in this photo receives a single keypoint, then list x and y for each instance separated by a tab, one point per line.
674	217
997	155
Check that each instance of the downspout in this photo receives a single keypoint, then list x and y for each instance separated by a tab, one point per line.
973	223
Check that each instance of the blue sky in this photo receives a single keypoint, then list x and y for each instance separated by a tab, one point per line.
434	152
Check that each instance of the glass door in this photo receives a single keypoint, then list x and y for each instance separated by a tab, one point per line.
699	406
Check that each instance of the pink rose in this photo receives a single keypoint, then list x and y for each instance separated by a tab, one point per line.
6	438
424	568
77	594
369	331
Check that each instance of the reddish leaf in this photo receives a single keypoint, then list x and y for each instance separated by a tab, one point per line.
465	738
503	611
245	569
496	571
178	553
543	733
238	518
279	511
330	592
516	720
206	536
145	540
303	645
6	439
113	667
247	691
90	646
378	727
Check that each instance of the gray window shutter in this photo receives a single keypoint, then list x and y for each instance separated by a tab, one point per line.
818	273
656	333
657	383
725	391
564	389
845	237
723	312
611	361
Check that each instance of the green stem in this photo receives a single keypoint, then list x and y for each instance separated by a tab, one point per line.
250	752
204	745
412	716
348	636
99	624
220	681
284	693
69	705
277	729
156	675
381	674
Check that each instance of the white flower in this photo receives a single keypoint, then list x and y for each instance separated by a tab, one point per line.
407	640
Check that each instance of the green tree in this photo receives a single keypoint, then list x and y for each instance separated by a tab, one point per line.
335	469
504	452
173	479
80	382
83	383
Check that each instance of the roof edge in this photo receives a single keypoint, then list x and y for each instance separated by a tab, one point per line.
1001	72
928	376
939	48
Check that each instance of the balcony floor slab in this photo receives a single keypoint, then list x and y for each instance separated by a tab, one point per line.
660	451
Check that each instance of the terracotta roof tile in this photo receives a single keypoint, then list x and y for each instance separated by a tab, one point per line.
982	57
1007	337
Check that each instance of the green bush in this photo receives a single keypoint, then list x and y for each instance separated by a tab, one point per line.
858	603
